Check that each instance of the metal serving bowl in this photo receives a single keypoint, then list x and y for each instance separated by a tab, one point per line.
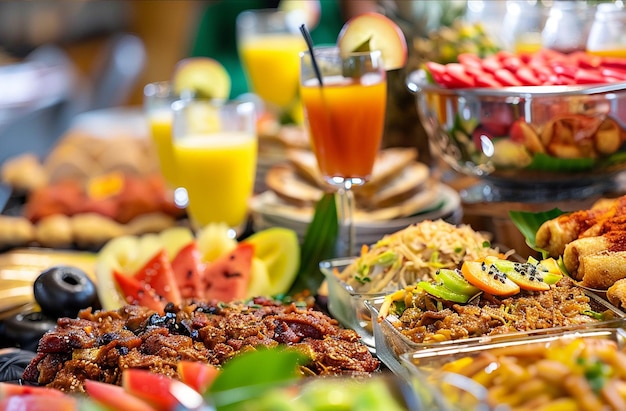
551	135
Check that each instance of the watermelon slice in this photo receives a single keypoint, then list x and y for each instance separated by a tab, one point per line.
158	274
227	278
150	387
198	375
136	293
115	397
188	269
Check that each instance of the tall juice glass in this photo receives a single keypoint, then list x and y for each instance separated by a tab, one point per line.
215	150
269	44
157	99
345	116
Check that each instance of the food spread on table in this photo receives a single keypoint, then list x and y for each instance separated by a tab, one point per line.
121	302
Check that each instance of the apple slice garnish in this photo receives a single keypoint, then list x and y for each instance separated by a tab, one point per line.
203	76
374	31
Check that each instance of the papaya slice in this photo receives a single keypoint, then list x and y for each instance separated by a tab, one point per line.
488	278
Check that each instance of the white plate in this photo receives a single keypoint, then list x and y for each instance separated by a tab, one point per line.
266	213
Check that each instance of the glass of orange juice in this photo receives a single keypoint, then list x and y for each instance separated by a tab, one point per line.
215	152
345	116
269	45
157	100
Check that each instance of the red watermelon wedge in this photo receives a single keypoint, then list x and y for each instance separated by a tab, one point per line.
136	293
188	268
158	274
227	278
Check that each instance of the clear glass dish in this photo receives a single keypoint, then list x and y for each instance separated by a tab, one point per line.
448	369
391	344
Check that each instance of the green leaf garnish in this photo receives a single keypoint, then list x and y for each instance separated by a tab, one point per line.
528	223
318	245
237	382
548	163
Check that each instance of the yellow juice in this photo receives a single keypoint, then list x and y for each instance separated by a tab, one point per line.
161	131
218	172
620	53
272	63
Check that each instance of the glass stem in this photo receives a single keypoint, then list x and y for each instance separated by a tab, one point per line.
345	215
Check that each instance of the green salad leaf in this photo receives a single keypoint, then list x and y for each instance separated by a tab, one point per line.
529	222
249	375
548	163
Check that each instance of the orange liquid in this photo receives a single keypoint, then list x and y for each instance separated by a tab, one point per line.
345	121
621	53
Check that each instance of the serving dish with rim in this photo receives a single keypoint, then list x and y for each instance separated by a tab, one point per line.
391	344
585	357
526	135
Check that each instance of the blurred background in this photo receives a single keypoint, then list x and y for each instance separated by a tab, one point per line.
60	58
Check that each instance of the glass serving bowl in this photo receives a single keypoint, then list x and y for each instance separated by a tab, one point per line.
391	343
529	136
581	351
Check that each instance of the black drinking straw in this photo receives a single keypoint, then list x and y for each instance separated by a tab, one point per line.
309	43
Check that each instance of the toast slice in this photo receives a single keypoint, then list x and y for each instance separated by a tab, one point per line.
389	163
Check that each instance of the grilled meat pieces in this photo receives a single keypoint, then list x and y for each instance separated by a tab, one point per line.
99	345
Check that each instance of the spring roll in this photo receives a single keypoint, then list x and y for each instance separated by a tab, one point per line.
555	234
603	269
580	248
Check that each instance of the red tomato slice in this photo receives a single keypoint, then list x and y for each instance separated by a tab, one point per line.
613	73
589	76
470	60
491	64
487	80
480	275
506	78
512	63
459	76
614	62
437	71
159	275
527	76
585	60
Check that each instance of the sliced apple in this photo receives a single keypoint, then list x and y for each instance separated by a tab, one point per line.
203	76
310	9
374	31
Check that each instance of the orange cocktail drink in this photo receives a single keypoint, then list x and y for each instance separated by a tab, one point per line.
344	100
346	119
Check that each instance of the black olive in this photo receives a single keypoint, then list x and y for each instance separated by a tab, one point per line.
26	329
62	291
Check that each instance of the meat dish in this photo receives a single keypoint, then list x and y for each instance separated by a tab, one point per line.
99	344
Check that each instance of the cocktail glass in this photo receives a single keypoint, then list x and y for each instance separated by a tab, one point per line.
215	152
345	118
269	44
157	100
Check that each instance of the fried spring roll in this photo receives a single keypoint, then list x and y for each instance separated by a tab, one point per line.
555	234
602	270
580	248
